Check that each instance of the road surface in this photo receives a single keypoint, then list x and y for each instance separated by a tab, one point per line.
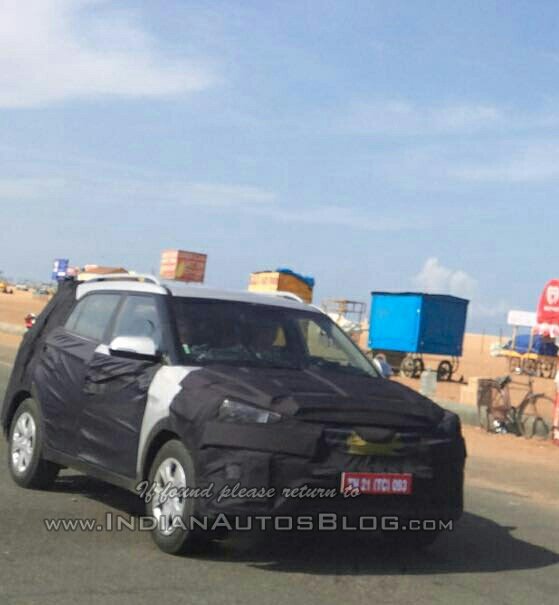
504	550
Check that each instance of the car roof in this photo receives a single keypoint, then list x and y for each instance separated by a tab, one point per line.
192	291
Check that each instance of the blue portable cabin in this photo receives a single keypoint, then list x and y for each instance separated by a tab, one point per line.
413	322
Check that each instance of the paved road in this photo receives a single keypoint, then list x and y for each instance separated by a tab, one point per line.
505	550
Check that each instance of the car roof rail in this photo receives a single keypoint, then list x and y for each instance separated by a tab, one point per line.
284	294
141	277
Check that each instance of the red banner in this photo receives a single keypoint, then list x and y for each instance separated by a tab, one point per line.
548	307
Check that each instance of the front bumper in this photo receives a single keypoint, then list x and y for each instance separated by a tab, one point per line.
284	458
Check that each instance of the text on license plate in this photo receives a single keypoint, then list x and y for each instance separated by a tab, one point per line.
378	483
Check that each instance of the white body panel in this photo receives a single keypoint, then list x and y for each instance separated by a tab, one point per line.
163	389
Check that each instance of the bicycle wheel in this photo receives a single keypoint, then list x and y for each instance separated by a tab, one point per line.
530	417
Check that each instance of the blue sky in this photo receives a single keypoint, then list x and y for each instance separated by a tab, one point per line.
373	145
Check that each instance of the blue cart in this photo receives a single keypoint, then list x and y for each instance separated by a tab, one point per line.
411	324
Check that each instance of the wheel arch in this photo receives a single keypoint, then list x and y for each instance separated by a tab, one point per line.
18	398
160	435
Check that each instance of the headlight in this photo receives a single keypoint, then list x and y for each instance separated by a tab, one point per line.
235	411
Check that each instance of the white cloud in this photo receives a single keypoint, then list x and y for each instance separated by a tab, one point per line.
53	50
258	202
226	195
336	215
526	163
102	185
436	278
156	189
406	118
14	189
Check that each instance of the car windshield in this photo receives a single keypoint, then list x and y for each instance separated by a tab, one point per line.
239	333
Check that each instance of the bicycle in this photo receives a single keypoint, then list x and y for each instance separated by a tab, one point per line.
497	414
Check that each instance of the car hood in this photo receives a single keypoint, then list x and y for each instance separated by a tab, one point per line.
316	395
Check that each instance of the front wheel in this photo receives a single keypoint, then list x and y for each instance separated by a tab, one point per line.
27	466
172	474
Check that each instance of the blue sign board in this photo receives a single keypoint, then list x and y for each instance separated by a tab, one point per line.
60	268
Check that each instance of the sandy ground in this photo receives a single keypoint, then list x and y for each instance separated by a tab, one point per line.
14	307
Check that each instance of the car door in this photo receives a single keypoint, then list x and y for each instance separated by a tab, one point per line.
116	390
60	372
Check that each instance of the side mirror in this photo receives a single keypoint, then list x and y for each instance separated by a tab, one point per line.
142	348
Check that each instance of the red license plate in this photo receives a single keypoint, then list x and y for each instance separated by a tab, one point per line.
378	483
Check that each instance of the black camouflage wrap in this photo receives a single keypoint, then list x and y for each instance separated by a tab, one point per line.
115	395
309	447
92	403
53	315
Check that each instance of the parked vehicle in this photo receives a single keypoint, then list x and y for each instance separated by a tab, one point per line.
30	320
497	414
129	380
407	325
5	288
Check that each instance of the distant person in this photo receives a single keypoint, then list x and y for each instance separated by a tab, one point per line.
386	368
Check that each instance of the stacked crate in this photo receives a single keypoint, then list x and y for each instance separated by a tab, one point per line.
181	265
277	281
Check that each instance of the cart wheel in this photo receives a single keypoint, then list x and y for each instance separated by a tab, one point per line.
529	366
407	366
514	365
545	368
444	371
418	367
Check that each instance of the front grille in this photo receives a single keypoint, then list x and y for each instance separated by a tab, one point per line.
336	438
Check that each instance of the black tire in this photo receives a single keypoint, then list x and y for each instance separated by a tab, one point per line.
526	426
418	367
444	371
38	473
541	429
182	539
529	420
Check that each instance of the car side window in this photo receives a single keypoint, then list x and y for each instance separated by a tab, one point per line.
139	316
91	316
